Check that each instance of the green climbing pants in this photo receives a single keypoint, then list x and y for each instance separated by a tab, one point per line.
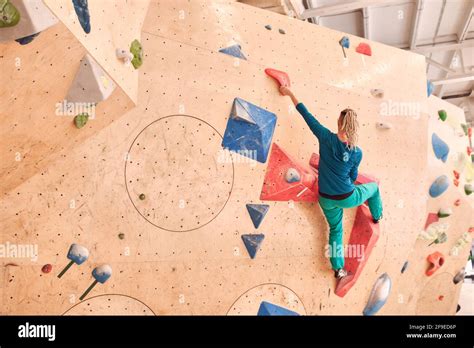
333	210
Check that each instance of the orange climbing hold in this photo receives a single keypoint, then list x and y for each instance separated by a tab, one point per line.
280	77
436	260
364	48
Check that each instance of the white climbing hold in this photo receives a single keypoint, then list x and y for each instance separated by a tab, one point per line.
292	175
383	125
444	212
124	55
376	92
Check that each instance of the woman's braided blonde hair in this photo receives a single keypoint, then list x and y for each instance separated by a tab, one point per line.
349	125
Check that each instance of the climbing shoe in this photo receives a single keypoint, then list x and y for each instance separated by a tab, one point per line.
340	273
376	221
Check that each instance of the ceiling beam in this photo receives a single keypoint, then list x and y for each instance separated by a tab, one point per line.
416	23
365	15
463	30
444	47
328	10
439	65
453	79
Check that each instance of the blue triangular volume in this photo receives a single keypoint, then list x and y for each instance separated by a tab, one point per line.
251	138
267	308
234	50
252	243
257	212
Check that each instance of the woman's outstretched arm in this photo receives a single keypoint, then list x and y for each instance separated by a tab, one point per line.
317	128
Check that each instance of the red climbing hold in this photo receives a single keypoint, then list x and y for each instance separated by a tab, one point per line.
456	182
364	48
441	297
364	236
47	268
280	77
469	151
436	260
456	174
276	188
432	217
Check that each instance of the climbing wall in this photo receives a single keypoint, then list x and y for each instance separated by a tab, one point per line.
438	293
156	197
37	127
113	25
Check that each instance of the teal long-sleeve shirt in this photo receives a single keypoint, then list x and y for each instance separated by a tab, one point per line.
338	165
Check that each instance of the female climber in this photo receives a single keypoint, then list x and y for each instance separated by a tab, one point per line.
339	159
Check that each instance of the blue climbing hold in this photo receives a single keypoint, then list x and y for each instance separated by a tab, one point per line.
249	130
234	50
379	295
440	148
27	39
82	11
440	185
270	309
429	87
252	243
344	42
257	212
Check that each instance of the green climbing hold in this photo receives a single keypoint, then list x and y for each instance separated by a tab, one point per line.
9	15
465	128
442	237
444	212
142	197
442	115
137	51
121	235
468	189
81	120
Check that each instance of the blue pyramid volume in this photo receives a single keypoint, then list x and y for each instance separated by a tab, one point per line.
252	243
249	130
234	50
257	212
267	308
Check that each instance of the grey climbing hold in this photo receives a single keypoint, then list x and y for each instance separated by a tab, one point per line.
459	277
292	175
81	120
383	125
379	295
376	92
268	27
91	84
404	267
